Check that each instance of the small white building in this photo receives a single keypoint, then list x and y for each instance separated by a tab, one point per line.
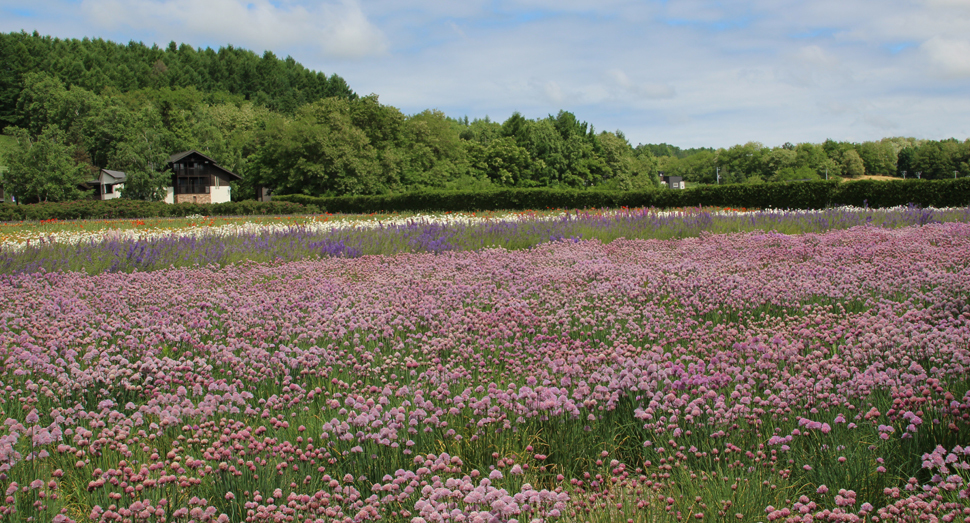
108	184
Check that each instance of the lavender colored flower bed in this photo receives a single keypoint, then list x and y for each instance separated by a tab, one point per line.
743	377
117	252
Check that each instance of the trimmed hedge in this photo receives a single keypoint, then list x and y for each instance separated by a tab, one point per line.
118	208
792	195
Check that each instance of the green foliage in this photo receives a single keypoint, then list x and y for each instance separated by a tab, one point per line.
698	168
226	74
937	160
320	151
796	195
142	156
629	172
664	149
791	174
905	161
741	161
7	146
433	150
853	164
503	162
42	168
119	208
879	157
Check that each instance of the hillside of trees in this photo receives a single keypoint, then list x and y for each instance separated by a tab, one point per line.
100	66
71	107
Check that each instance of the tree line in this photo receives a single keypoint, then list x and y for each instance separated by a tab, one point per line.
754	163
76	106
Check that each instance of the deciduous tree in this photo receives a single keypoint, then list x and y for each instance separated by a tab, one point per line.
42	168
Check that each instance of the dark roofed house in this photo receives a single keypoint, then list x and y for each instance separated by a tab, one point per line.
196	178
107	185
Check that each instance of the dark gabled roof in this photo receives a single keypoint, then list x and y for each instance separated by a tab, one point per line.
106	177
185	154
112	177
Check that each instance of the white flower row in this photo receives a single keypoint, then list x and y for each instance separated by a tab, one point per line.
22	239
25	238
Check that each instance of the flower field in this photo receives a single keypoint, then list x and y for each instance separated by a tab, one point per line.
134	245
589	375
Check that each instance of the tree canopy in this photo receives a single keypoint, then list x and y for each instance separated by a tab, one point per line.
223	74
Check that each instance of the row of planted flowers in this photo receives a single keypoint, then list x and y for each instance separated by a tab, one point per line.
748	376
117	247
15	236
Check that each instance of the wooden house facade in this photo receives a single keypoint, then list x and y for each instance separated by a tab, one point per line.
197	178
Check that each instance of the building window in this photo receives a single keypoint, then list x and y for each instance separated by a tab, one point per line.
108	189
193	185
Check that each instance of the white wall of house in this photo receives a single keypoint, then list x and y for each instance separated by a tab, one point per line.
115	192
216	194
219	194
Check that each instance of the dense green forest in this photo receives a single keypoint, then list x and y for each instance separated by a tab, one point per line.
100	66
71	107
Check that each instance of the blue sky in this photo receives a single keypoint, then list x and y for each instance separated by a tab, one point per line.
687	72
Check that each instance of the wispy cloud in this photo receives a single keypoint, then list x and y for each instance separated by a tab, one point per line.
648	90
335	29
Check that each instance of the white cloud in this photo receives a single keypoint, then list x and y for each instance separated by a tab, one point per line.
815	56
812	66
951	57
554	92
959	4
334	29
648	90
879	121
